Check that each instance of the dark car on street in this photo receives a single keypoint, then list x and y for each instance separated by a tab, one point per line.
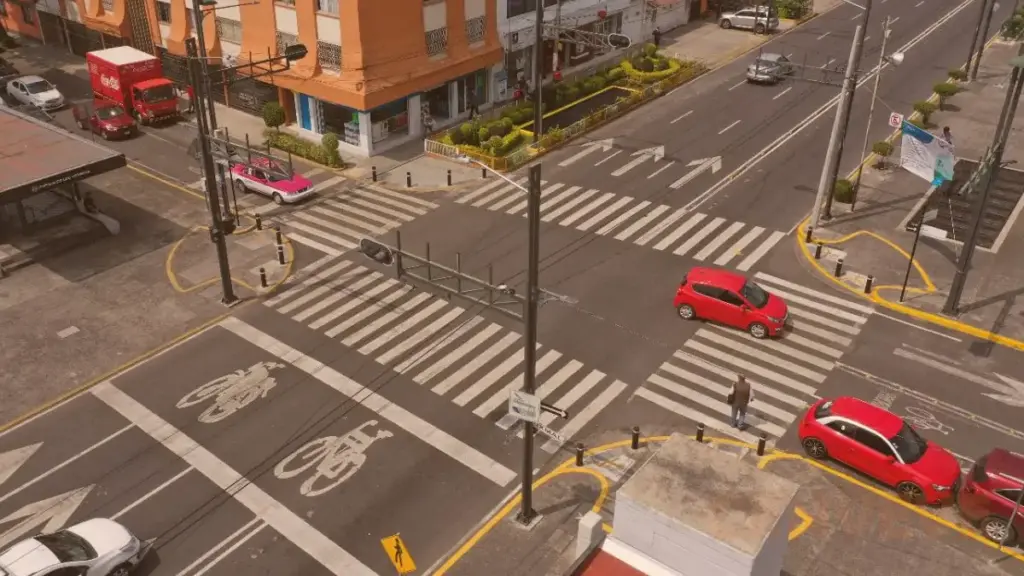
107	119
991	492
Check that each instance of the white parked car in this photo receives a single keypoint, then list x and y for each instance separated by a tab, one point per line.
35	91
97	547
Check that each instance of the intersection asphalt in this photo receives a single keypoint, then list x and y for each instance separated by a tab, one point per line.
267	484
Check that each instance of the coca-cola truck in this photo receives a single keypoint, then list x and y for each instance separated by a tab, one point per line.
134	80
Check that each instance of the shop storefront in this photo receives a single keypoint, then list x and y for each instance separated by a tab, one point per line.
438	103
390	120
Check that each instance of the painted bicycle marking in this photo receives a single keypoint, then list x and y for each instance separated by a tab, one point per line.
232	392
924	420
335	459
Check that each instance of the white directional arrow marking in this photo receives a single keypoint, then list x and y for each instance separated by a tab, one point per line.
641	156
11	461
1012	393
602	145
1009	391
702	166
54	511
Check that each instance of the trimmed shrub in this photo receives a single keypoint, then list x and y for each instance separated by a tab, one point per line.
925	109
456	137
945	90
883	150
482	135
650	50
674	66
958	74
843	192
616	74
508	124
646	65
273	115
304	148
329	141
660	64
468	133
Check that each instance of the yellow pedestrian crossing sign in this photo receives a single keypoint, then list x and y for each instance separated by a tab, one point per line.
399	555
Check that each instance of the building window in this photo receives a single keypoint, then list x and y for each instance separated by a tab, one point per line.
108	5
286	2
327	7
517	7
28	14
163	12
329	56
3	8
475	29
229	30
437	41
284	40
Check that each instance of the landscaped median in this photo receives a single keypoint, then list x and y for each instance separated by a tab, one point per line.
507	141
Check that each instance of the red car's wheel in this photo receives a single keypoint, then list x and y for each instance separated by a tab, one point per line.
910	492
686	312
815	448
758	330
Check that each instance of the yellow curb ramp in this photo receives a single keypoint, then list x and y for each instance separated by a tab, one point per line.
172	278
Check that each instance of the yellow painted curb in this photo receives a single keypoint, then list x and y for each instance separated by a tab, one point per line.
178	287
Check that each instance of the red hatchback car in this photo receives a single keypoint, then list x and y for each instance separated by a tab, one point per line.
731	299
990	491
881	445
107	119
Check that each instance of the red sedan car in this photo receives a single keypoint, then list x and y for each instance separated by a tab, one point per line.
107	119
991	490
881	445
731	299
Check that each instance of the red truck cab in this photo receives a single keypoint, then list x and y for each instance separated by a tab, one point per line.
134	80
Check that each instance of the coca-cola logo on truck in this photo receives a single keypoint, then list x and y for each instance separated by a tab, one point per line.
110	82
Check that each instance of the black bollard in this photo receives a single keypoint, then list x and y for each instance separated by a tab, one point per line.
277	236
579	454
700	432
259	222
263	278
483	172
839	268
635	440
408	179
817	251
373	173
868	283
449	177
280	254
761	441
810	234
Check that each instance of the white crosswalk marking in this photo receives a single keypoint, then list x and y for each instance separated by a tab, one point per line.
783	372
472	196
336	224
699	236
715	244
761	250
549	216
738	247
544	193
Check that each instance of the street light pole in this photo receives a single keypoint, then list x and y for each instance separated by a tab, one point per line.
977	33
213	201
992	5
832	155
527	512
871	108
197	10
538	72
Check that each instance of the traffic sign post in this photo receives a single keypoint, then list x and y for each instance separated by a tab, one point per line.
524	406
895	120
563	414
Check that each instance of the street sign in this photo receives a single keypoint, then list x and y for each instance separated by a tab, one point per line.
524	406
398	554
895	120
563	414
550	433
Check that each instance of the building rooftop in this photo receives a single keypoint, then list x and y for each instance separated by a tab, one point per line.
711	492
121	55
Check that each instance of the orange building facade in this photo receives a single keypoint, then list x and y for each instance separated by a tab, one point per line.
375	71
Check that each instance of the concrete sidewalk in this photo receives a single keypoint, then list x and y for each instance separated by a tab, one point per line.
873	239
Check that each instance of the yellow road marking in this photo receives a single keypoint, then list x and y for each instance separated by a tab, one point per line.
398	554
173	278
162	180
805	523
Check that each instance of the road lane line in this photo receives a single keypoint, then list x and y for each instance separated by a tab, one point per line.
681	117
231	549
896	19
65	463
781	94
152	493
277	515
827	64
918	5
922	328
726	129
221	544
856	17
609	157
738	84
588	149
662	169
411	423
827	33
814	116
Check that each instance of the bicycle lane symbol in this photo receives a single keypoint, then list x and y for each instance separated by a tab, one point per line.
334	459
232	392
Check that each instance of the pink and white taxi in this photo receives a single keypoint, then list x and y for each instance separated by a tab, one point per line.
262	177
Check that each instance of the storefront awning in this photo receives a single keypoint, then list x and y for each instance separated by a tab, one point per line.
36	156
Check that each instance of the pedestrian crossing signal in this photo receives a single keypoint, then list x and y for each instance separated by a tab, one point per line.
377	251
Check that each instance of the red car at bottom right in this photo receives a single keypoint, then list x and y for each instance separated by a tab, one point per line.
990	492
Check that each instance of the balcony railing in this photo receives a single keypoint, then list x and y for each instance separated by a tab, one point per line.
475	29
284	40
108	5
437	41
329	56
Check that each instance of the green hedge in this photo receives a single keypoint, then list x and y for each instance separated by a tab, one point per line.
303	148
793	9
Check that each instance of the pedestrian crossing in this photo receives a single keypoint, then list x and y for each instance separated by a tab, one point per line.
785	372
640	222
471	362
336	224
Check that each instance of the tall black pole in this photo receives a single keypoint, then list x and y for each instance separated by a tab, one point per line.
981	39
538	72
977	33
212	199
527	513
963	264
197	11
913	252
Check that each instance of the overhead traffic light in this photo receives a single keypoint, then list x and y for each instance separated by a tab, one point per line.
377	251
619	41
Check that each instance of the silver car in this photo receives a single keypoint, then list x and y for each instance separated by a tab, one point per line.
757	19
769	68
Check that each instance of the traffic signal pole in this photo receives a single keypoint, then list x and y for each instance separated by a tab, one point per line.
527	513
212	199
538	72
197	11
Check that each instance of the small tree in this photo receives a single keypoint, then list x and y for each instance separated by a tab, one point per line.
650	50
843	191
925	109
958	74
273	115
944	91
883	150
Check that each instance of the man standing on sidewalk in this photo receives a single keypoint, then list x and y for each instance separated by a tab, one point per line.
657	37
740	396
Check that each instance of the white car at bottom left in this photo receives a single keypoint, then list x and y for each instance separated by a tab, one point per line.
97	547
